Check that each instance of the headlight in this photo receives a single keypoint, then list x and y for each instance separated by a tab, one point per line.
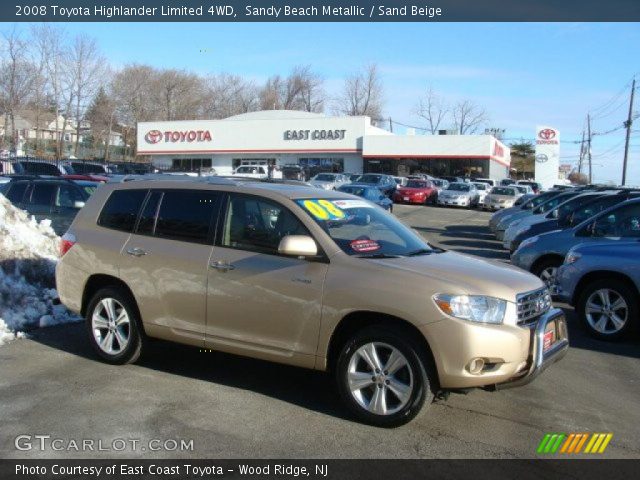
475	308
528	241
572	257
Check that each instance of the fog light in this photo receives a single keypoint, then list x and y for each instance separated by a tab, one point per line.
475	366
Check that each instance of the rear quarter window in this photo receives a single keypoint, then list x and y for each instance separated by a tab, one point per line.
121	209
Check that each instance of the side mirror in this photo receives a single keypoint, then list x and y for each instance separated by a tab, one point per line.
78	204
298	246
554	214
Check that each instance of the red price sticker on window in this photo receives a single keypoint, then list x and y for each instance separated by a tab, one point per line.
365	245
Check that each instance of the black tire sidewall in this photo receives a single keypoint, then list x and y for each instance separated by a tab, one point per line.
620	288
422	391
537	271
133	349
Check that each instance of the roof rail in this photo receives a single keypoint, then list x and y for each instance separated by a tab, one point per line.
170	178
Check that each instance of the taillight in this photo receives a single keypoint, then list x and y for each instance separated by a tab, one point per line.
67	241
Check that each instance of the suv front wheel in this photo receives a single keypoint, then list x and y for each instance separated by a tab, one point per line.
382	377
113	326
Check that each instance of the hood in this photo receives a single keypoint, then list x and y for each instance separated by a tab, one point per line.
621	248
412	189
459	273
455	193
502	197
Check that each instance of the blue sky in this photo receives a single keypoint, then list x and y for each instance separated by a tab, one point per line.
524	74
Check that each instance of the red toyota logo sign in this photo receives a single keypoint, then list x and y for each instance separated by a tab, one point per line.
547	134
153	136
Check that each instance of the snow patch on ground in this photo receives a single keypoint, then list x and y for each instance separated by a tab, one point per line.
28	257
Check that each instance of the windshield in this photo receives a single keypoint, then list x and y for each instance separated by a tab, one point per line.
503	191
369	178
361	229
569	206
353	190
459	187
480	186
417	184
440	183
587	211
325	177
551	204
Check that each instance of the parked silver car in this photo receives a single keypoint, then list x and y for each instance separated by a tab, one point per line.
460	195
329	181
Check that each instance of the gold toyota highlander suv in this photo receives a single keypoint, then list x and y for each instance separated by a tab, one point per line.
308	277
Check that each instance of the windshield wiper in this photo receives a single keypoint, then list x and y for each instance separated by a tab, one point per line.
421	251
377	255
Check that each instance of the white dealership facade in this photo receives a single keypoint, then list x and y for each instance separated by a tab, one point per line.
317	143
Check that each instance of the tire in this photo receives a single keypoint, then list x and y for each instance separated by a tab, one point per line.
378	392
601	325
546	270
126	338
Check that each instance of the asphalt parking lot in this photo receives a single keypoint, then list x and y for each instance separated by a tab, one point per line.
51	384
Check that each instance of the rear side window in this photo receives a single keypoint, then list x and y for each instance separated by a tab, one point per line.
16	192
40	168
186	215
121	210
42	194
147	222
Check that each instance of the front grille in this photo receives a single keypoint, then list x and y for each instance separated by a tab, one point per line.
532	304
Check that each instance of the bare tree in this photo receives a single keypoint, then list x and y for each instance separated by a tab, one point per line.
87	73
49	41
468	117
131	88
16	82
433	109
362	94
180	94
228	95
302	89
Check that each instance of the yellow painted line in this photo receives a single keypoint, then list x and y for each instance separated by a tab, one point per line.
593	439
596	445
567	443
606	442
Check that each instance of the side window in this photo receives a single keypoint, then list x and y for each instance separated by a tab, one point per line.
67	196
257	224
622	222
186	215
147	222
16	192
42	194
121	210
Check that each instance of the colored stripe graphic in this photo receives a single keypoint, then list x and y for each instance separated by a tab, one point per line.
573	443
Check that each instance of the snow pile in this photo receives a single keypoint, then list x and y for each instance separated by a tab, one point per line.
28	256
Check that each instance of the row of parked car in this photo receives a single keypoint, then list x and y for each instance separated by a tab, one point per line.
584	243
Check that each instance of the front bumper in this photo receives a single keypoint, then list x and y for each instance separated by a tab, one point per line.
455	202
539	358
508	351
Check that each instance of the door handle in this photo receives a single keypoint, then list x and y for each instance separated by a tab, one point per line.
136	252
222	266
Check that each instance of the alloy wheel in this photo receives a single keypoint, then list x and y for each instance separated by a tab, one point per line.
111	326
548	276
606	311
380	378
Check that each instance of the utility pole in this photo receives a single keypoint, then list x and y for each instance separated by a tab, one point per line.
390	125
589	145
628	124
581	153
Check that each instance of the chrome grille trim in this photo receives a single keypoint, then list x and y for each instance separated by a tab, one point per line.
530	305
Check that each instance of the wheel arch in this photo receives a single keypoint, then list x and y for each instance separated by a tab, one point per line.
99	281
355	321
544	258
600	275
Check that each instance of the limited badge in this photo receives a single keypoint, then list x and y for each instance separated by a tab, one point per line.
365	245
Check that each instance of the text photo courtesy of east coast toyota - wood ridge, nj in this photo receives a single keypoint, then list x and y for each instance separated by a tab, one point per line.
349	239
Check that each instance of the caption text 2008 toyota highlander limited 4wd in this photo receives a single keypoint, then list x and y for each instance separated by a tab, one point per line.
313	278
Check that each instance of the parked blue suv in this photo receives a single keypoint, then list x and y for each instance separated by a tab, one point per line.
543	254
602	282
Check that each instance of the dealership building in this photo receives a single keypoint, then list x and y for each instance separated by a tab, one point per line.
317	143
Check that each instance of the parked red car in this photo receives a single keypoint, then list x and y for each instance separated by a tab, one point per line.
89	177
416	191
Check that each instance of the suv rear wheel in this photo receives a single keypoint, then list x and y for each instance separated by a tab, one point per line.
608	309
382	378
113	326
546	270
